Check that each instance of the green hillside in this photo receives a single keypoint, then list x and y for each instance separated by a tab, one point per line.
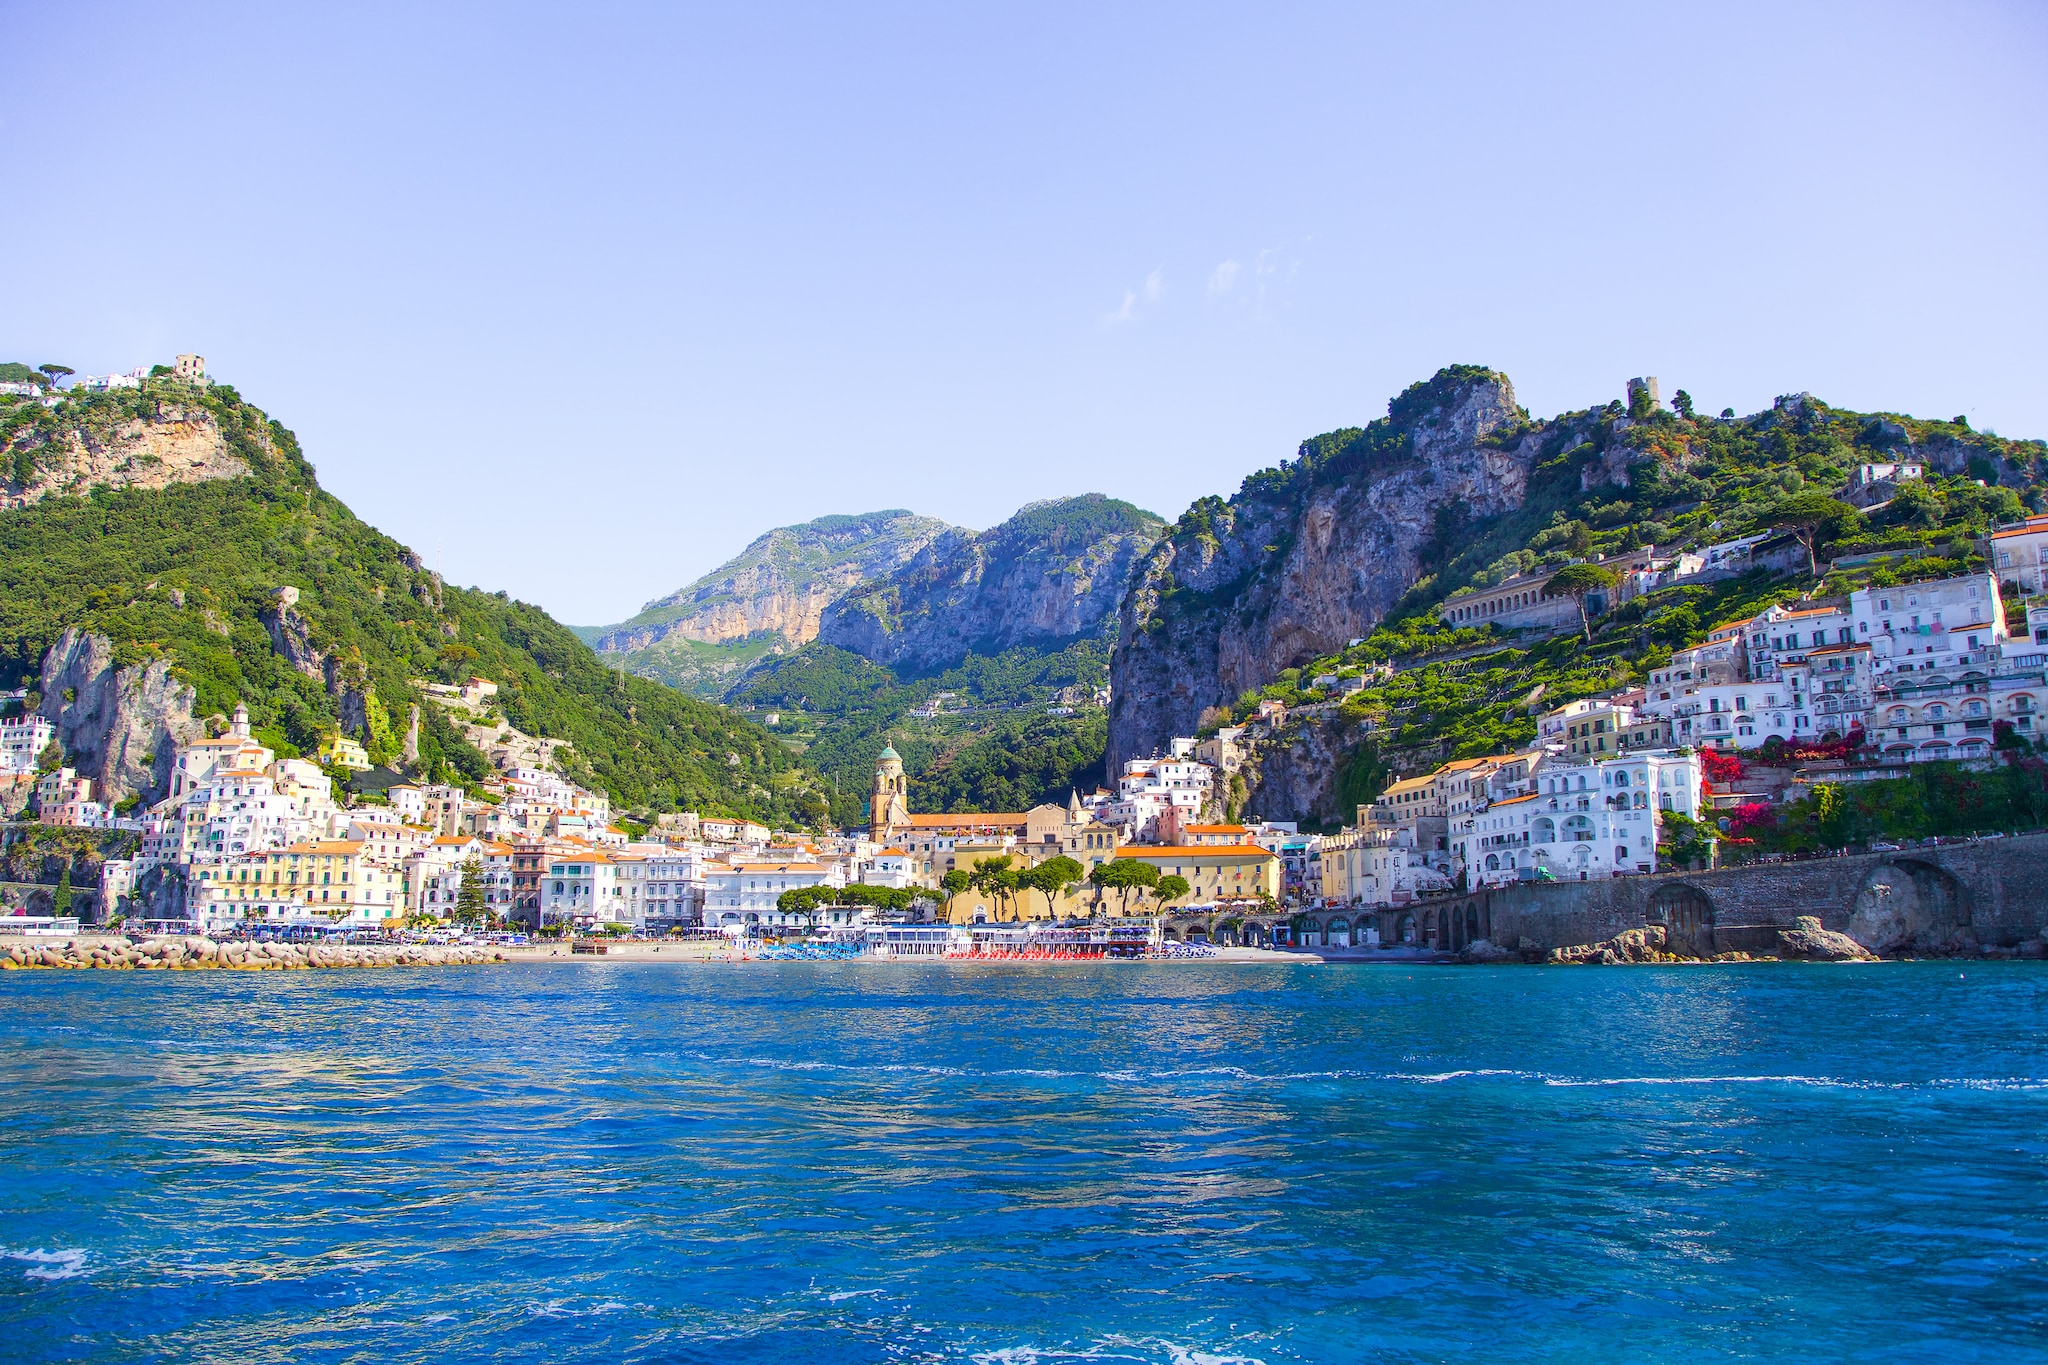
185	572
995	746
763	602
1689	481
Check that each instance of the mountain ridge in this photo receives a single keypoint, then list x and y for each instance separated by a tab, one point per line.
763	601
261	587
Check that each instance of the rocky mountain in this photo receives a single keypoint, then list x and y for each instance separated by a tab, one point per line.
1051	574
140	601
1329	584
1311	554
766	600
106	448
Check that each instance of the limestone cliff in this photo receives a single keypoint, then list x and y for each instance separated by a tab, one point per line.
70	452
1312	554
119	726
1053	572
768	598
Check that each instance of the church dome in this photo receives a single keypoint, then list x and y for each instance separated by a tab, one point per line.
889	753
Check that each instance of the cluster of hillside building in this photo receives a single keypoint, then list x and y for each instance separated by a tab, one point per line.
1926	670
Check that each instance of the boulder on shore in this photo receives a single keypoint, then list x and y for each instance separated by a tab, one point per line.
1820	945
1630	945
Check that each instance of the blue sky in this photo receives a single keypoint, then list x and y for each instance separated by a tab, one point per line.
579	300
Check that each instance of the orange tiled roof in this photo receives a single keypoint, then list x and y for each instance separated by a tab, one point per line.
1194	851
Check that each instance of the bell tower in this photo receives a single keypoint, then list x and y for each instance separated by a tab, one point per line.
889	804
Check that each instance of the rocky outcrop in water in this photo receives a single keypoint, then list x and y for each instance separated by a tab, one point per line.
1311	555
119	726
1053	572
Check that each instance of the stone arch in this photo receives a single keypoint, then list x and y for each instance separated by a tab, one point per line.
1908	905
1687	915
1475	924
1404	931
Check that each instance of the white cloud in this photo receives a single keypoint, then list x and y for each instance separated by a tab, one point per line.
1223	277
1149	292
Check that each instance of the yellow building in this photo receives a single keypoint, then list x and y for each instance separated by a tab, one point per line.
975	907
330	877
339	751
1214	872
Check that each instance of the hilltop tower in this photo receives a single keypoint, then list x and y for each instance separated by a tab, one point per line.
889	804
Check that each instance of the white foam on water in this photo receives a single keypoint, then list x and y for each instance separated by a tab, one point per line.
49	1265
1133	1076
1147	1349
2020	1083
560	1308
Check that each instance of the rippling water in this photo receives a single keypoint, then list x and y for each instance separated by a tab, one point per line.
1171	1163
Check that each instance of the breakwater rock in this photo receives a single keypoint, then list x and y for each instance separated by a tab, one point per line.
1806	940
170	954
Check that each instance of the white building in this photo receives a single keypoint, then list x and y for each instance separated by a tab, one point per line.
1150	787
22	741
1937	626
1383	868
582	889
742	896
1745	715
1784	634
674	886
2017	554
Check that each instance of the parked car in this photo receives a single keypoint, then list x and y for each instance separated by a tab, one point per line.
1882	847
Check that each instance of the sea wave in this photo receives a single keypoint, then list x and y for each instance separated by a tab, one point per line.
63	1264
1132	1075
1140	1349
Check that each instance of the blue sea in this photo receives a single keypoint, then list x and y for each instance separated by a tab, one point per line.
1176	1163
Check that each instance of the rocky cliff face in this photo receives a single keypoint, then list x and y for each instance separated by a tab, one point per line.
768	599
119	726
173	444
1053	572
1311	555
781	583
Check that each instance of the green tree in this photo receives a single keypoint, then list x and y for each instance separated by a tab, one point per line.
60	900
1807	516
1171	888
471	905
1682	402
803	903
952	884
1576	581
996	879
51	758
1123	876
1053	878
